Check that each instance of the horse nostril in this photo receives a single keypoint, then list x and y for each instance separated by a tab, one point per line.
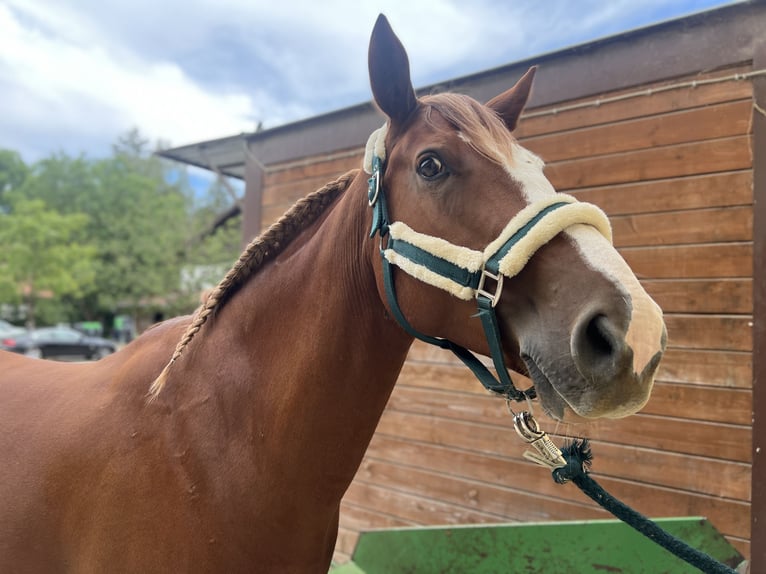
599	337
597	347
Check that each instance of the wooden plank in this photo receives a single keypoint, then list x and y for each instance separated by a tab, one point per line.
690	192
683	227
710	156
716	332
714	368
691	125
471	402
728	296
346	540
359	518
453	376
701	403
724	369
416	509
503	502
657	103
715	440
423	352
454	406
490	439
730	517
292	191
332	166
478	466
725	260
707	476
612	459
701	438
702	475
339	557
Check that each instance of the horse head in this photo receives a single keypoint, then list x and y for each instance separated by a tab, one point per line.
570	312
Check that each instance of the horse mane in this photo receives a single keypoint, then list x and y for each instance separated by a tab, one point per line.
261	250
480	127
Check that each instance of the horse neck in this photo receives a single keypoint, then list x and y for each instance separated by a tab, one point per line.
305	355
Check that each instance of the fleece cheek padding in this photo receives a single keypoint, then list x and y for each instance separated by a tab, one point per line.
425	275
461	256
376	146
529	230
547	228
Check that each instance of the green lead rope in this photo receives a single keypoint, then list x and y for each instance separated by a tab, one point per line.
578	458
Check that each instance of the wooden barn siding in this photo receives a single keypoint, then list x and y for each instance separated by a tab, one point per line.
674	173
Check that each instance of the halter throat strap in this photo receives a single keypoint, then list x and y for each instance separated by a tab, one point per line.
469	274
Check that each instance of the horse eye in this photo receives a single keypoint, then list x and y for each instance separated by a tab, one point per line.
430	167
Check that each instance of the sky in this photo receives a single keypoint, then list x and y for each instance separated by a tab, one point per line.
76	74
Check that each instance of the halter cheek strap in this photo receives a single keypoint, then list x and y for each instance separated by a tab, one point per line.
469	274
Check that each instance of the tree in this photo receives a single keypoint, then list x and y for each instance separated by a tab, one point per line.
142	221
41	253
137	222
13	173
140	225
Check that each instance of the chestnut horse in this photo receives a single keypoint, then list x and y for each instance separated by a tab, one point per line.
239	457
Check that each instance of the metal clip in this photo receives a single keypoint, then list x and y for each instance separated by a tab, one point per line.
548	454
374	188
493	297
373	183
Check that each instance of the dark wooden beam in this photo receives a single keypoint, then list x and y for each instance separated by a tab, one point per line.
758	476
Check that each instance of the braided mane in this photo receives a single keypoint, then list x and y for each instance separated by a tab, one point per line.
261	250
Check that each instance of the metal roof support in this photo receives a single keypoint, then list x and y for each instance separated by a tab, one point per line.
253	204
221	177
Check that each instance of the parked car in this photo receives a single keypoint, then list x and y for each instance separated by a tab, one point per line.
58	343
9	330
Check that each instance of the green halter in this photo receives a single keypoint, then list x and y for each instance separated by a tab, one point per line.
466	273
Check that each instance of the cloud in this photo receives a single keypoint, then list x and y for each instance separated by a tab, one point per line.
76	74
87	93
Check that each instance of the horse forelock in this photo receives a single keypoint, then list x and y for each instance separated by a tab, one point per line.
478	126
259	251
486	133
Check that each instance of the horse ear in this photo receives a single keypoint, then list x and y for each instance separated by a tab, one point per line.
510	103
390	73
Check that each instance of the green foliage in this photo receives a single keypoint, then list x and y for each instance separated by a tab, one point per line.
43	253
13	173
113	235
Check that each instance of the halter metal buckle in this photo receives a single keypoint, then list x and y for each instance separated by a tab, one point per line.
493	297
548	454
373	187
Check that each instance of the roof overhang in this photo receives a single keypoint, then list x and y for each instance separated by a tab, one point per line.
224	156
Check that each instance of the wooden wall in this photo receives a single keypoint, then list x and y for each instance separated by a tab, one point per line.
674	172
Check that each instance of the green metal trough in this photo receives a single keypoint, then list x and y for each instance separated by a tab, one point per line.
599	546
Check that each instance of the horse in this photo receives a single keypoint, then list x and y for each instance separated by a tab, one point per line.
224	441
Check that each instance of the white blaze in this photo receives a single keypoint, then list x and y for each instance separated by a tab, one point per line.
646	326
